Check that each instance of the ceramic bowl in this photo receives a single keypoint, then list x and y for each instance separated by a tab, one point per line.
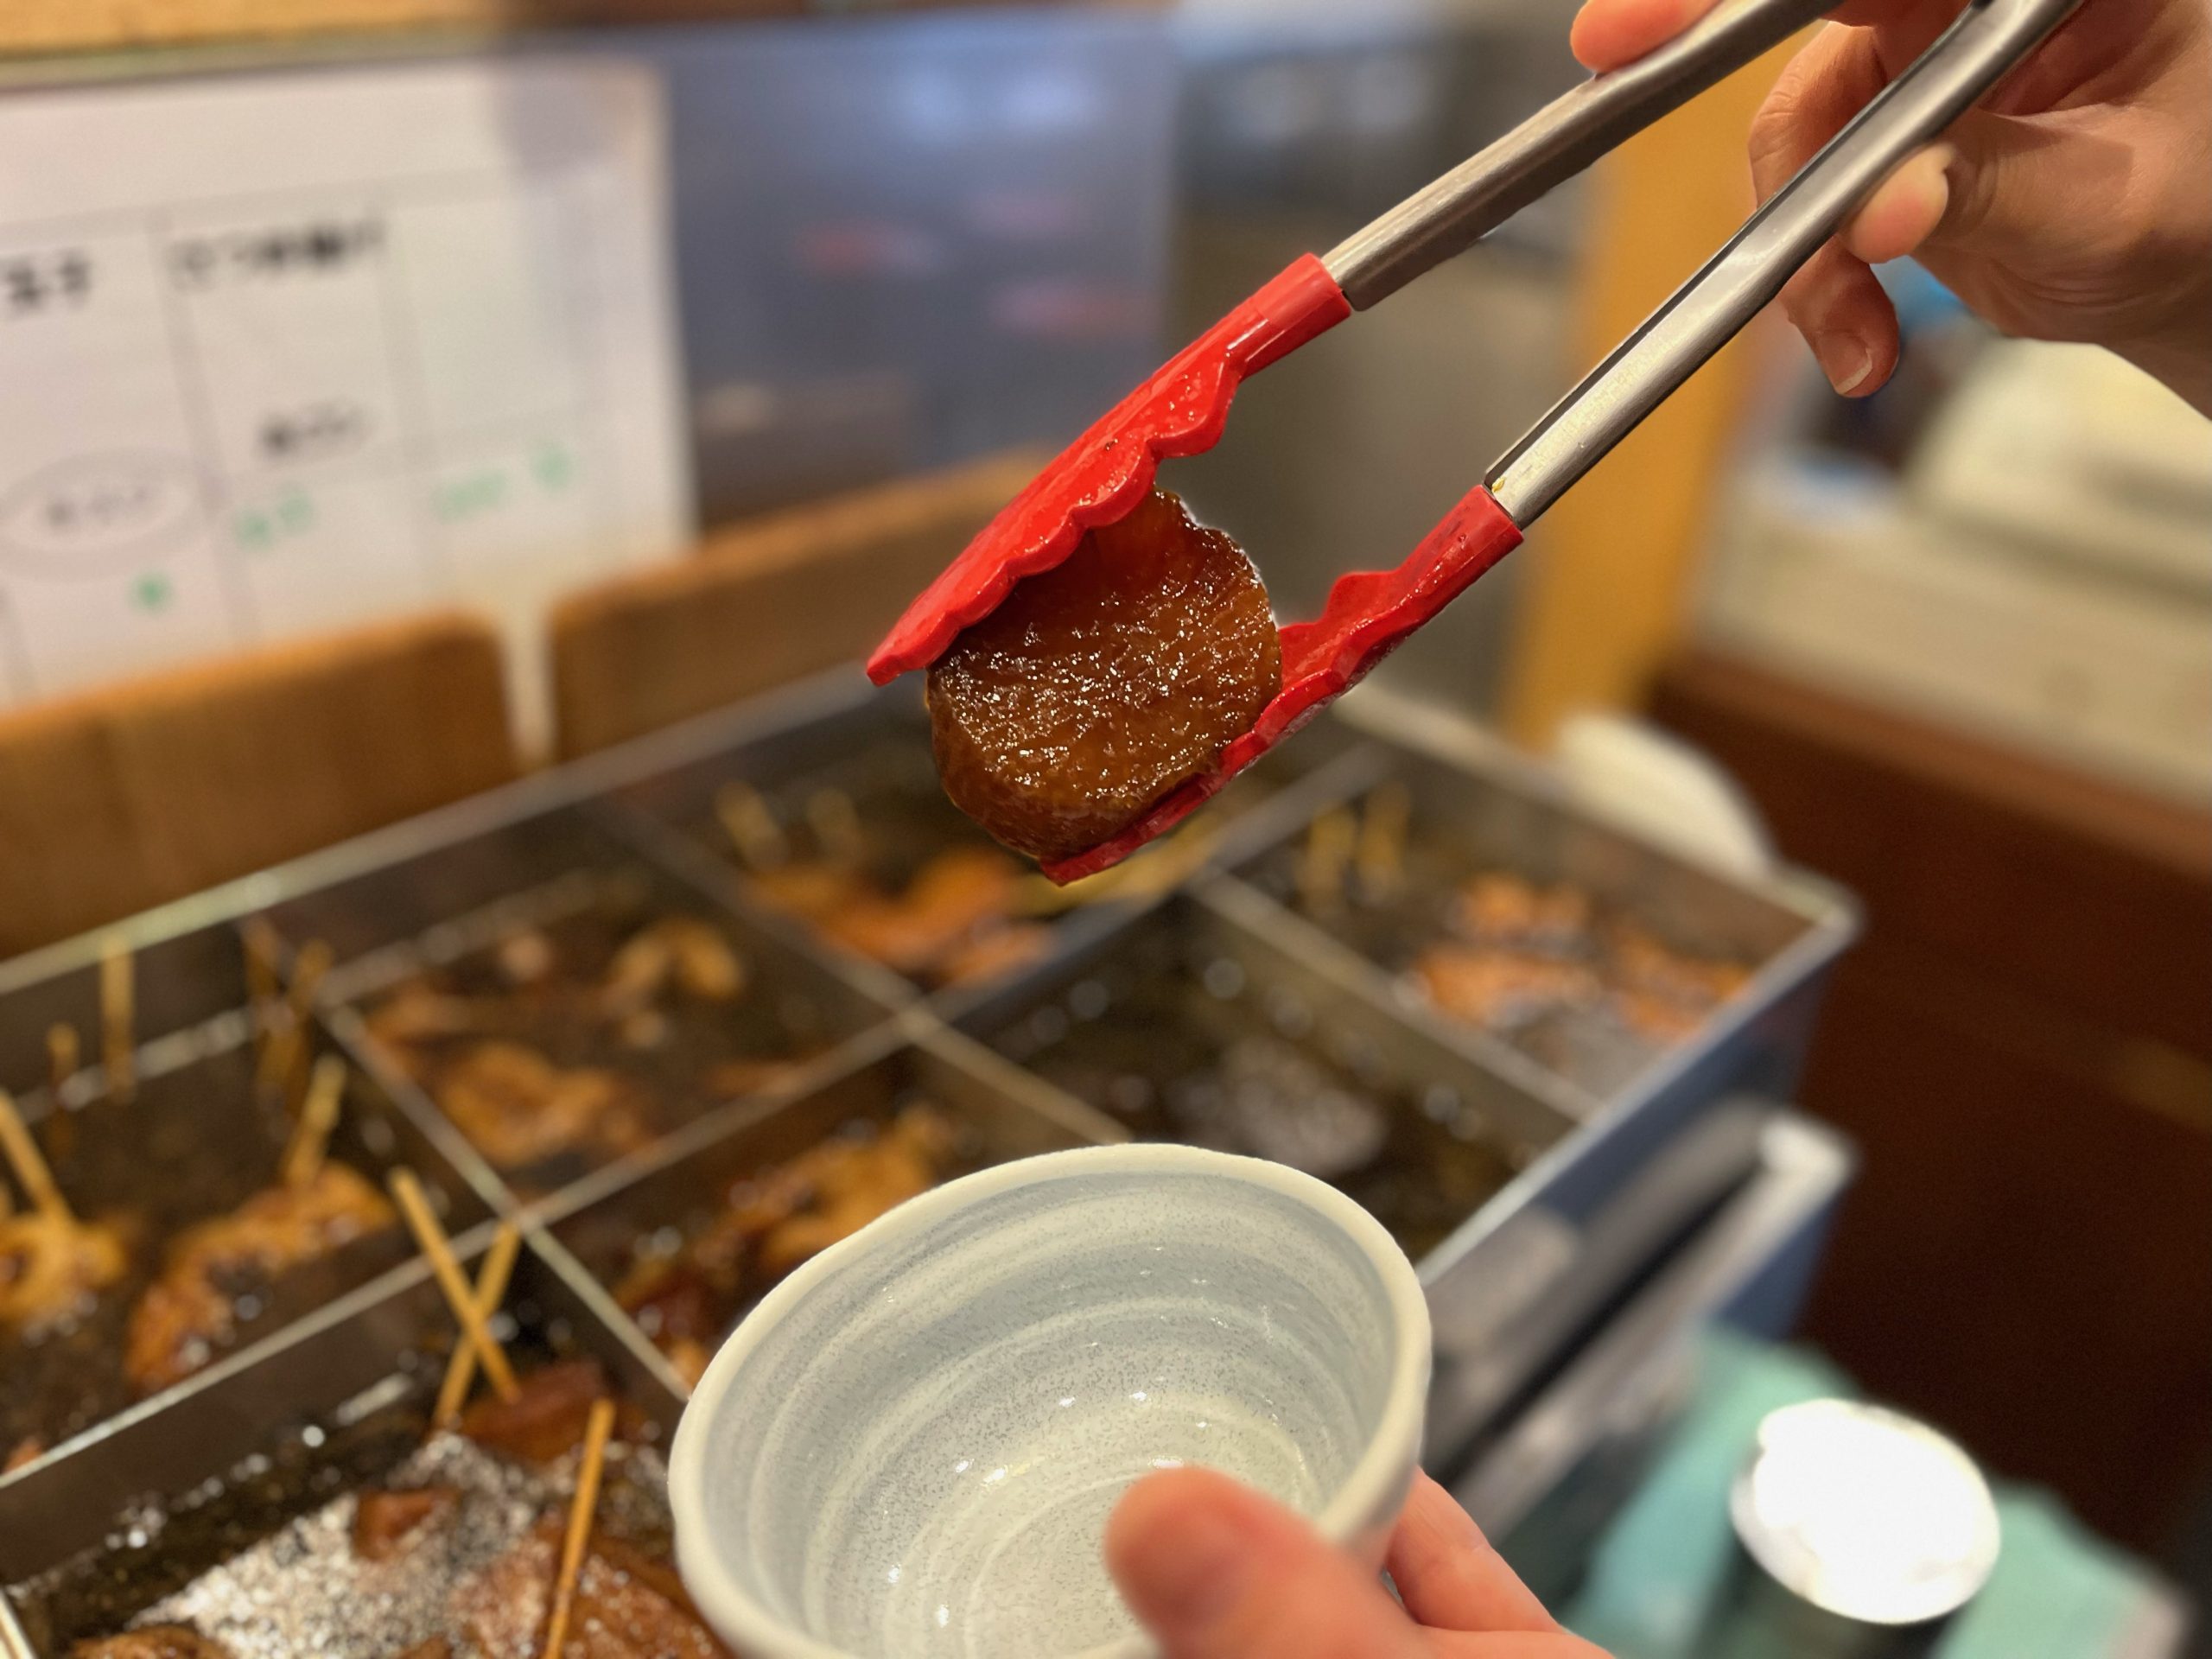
910	1449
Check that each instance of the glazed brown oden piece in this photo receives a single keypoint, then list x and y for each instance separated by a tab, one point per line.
1100	684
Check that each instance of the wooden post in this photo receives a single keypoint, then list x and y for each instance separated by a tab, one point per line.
1609	574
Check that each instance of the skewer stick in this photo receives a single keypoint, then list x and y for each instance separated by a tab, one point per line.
580	1516
1381	857
837	825
311	1138
752	828
118	1014
280	1059
491	1289
475	1325
31	1173
262	948
63	1056
1328	850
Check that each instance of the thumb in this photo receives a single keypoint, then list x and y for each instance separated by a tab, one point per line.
1215	1571
2019	184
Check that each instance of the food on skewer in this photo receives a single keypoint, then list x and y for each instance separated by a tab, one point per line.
684	1298
681	952
519	1109
1550	966
1520	952
99	1310
1497	987
1098	687
52	1269
954	923
53	1266
191	1309
565	1046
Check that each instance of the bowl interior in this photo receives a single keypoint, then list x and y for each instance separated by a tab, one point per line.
916	1452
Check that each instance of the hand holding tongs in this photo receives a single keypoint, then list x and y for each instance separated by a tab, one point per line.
1180	411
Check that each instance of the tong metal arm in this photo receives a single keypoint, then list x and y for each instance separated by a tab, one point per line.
1451	213
1987	39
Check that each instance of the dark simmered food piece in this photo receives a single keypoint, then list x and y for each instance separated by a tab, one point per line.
546	1418
1100	684
627	1605
152	1642
191	1308
387	1524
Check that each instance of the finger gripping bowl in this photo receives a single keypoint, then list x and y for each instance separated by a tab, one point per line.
911	1448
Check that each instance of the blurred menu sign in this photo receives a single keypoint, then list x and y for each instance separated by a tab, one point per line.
282	354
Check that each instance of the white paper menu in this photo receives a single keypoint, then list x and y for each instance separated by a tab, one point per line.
285	353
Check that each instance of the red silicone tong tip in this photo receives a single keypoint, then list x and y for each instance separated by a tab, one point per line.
1369	613
1105	473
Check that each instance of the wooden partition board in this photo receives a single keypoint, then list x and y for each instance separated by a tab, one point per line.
2019	1048
766	601
132	795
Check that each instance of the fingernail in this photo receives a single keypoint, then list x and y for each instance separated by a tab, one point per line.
1844	360
1192	1571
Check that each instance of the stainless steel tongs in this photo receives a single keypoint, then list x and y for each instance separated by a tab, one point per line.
1180	411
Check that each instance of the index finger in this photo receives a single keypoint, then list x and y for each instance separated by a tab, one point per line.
1610	33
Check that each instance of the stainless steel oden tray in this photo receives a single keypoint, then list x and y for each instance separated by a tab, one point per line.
155	1168
480	980
855	789
659	1234
90	1542
1578	1177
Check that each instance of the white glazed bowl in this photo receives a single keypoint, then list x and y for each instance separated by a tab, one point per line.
910	1447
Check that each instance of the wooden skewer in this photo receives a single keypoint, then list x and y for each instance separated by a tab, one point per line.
491	1289
281	1060
600	1425
475	1326
31	1173
752	828
836	824
262	949
63	1056
1382	858
118	1014
311	1138
1328	850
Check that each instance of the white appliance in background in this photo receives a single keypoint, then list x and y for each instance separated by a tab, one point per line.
2072	453
2043	573
287	352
